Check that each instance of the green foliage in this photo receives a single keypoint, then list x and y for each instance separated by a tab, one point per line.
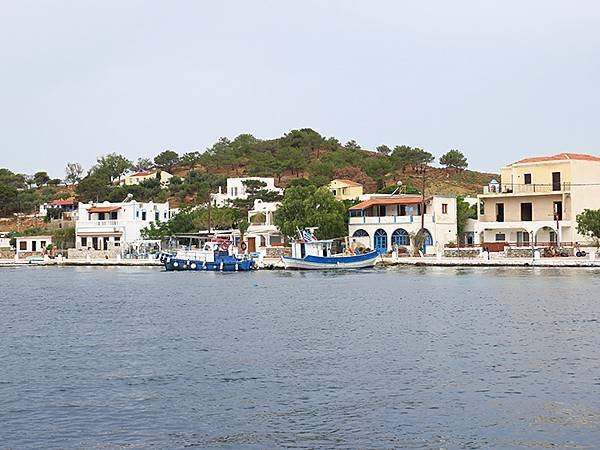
404	157
454	159
41	178
588	223
383	150
166	160
464	212
143	165
192	220
73	172
111	167
309	206
64	238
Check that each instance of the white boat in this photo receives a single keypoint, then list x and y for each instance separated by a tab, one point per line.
309	253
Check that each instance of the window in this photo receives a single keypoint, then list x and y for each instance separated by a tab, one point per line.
42	244
101	216
23	245
117	241
527	178
558	211
84	242
444	208
143	215
156	215
526	212
499	212
500	237
113	215
165	215
381	211
481	208
553	237
522	238
556	181
137	214
400	237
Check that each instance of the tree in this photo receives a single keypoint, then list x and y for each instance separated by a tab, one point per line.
352	145
41	178
73	172
384	150
243	227
309	206
94	187
464	212
166	160
190	159
588	224
8	199
112	166
454	159
143	165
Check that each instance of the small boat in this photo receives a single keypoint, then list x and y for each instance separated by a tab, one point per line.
216	256
311	253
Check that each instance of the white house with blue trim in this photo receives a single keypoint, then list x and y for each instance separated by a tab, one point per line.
383	222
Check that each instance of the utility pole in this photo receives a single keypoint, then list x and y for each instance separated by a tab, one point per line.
423	199
209	218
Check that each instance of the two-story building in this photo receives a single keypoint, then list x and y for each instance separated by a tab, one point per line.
262	232
64	207
537	201
345	189
107	226
384	222
140	177
236	189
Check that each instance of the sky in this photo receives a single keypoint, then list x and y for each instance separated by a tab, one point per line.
498	80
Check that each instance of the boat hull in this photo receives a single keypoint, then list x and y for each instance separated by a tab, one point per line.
335	262
174	264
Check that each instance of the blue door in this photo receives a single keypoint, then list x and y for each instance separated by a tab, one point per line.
428	240
401	237
380	241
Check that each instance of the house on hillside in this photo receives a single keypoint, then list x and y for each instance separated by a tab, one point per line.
345	189
139	177
236	189
108	226
537	201
383	223
64	207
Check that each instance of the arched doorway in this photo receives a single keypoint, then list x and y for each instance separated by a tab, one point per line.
361	238
427	241
546	236
400	237
380	240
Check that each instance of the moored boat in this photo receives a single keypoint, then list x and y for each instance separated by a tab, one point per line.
309	253
217	256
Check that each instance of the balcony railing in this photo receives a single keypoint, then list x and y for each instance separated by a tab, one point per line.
389	219
511	188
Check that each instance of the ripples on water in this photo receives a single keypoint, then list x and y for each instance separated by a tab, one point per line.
396	358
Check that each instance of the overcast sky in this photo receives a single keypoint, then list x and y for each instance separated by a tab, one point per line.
499	80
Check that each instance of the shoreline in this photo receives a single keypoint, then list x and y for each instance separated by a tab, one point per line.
275	264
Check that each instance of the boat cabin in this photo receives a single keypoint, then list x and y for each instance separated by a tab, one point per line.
300	249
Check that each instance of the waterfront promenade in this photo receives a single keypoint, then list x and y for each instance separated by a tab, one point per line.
383	261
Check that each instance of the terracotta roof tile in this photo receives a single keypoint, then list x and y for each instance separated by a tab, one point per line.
348	182
389	201
560	157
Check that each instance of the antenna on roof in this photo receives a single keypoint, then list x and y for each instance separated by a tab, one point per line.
128	198
399	184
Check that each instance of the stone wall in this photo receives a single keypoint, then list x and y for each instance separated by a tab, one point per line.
461	253
519	252
7	253
278	252
74	253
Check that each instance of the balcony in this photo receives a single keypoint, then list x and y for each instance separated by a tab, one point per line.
372	220
526	189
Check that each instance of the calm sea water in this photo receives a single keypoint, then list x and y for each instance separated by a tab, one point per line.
398	358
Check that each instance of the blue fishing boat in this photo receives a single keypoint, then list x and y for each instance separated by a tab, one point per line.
309	253
216	256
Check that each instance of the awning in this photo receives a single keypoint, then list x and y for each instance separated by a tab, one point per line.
103	209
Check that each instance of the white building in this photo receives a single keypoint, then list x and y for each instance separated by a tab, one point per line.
237	190
383	222
66	207
27	246
140	177
104	226
262	232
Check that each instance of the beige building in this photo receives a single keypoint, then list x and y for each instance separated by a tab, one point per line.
138	177
30	246
537	200
345	189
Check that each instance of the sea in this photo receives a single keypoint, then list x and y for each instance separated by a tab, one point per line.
404	357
